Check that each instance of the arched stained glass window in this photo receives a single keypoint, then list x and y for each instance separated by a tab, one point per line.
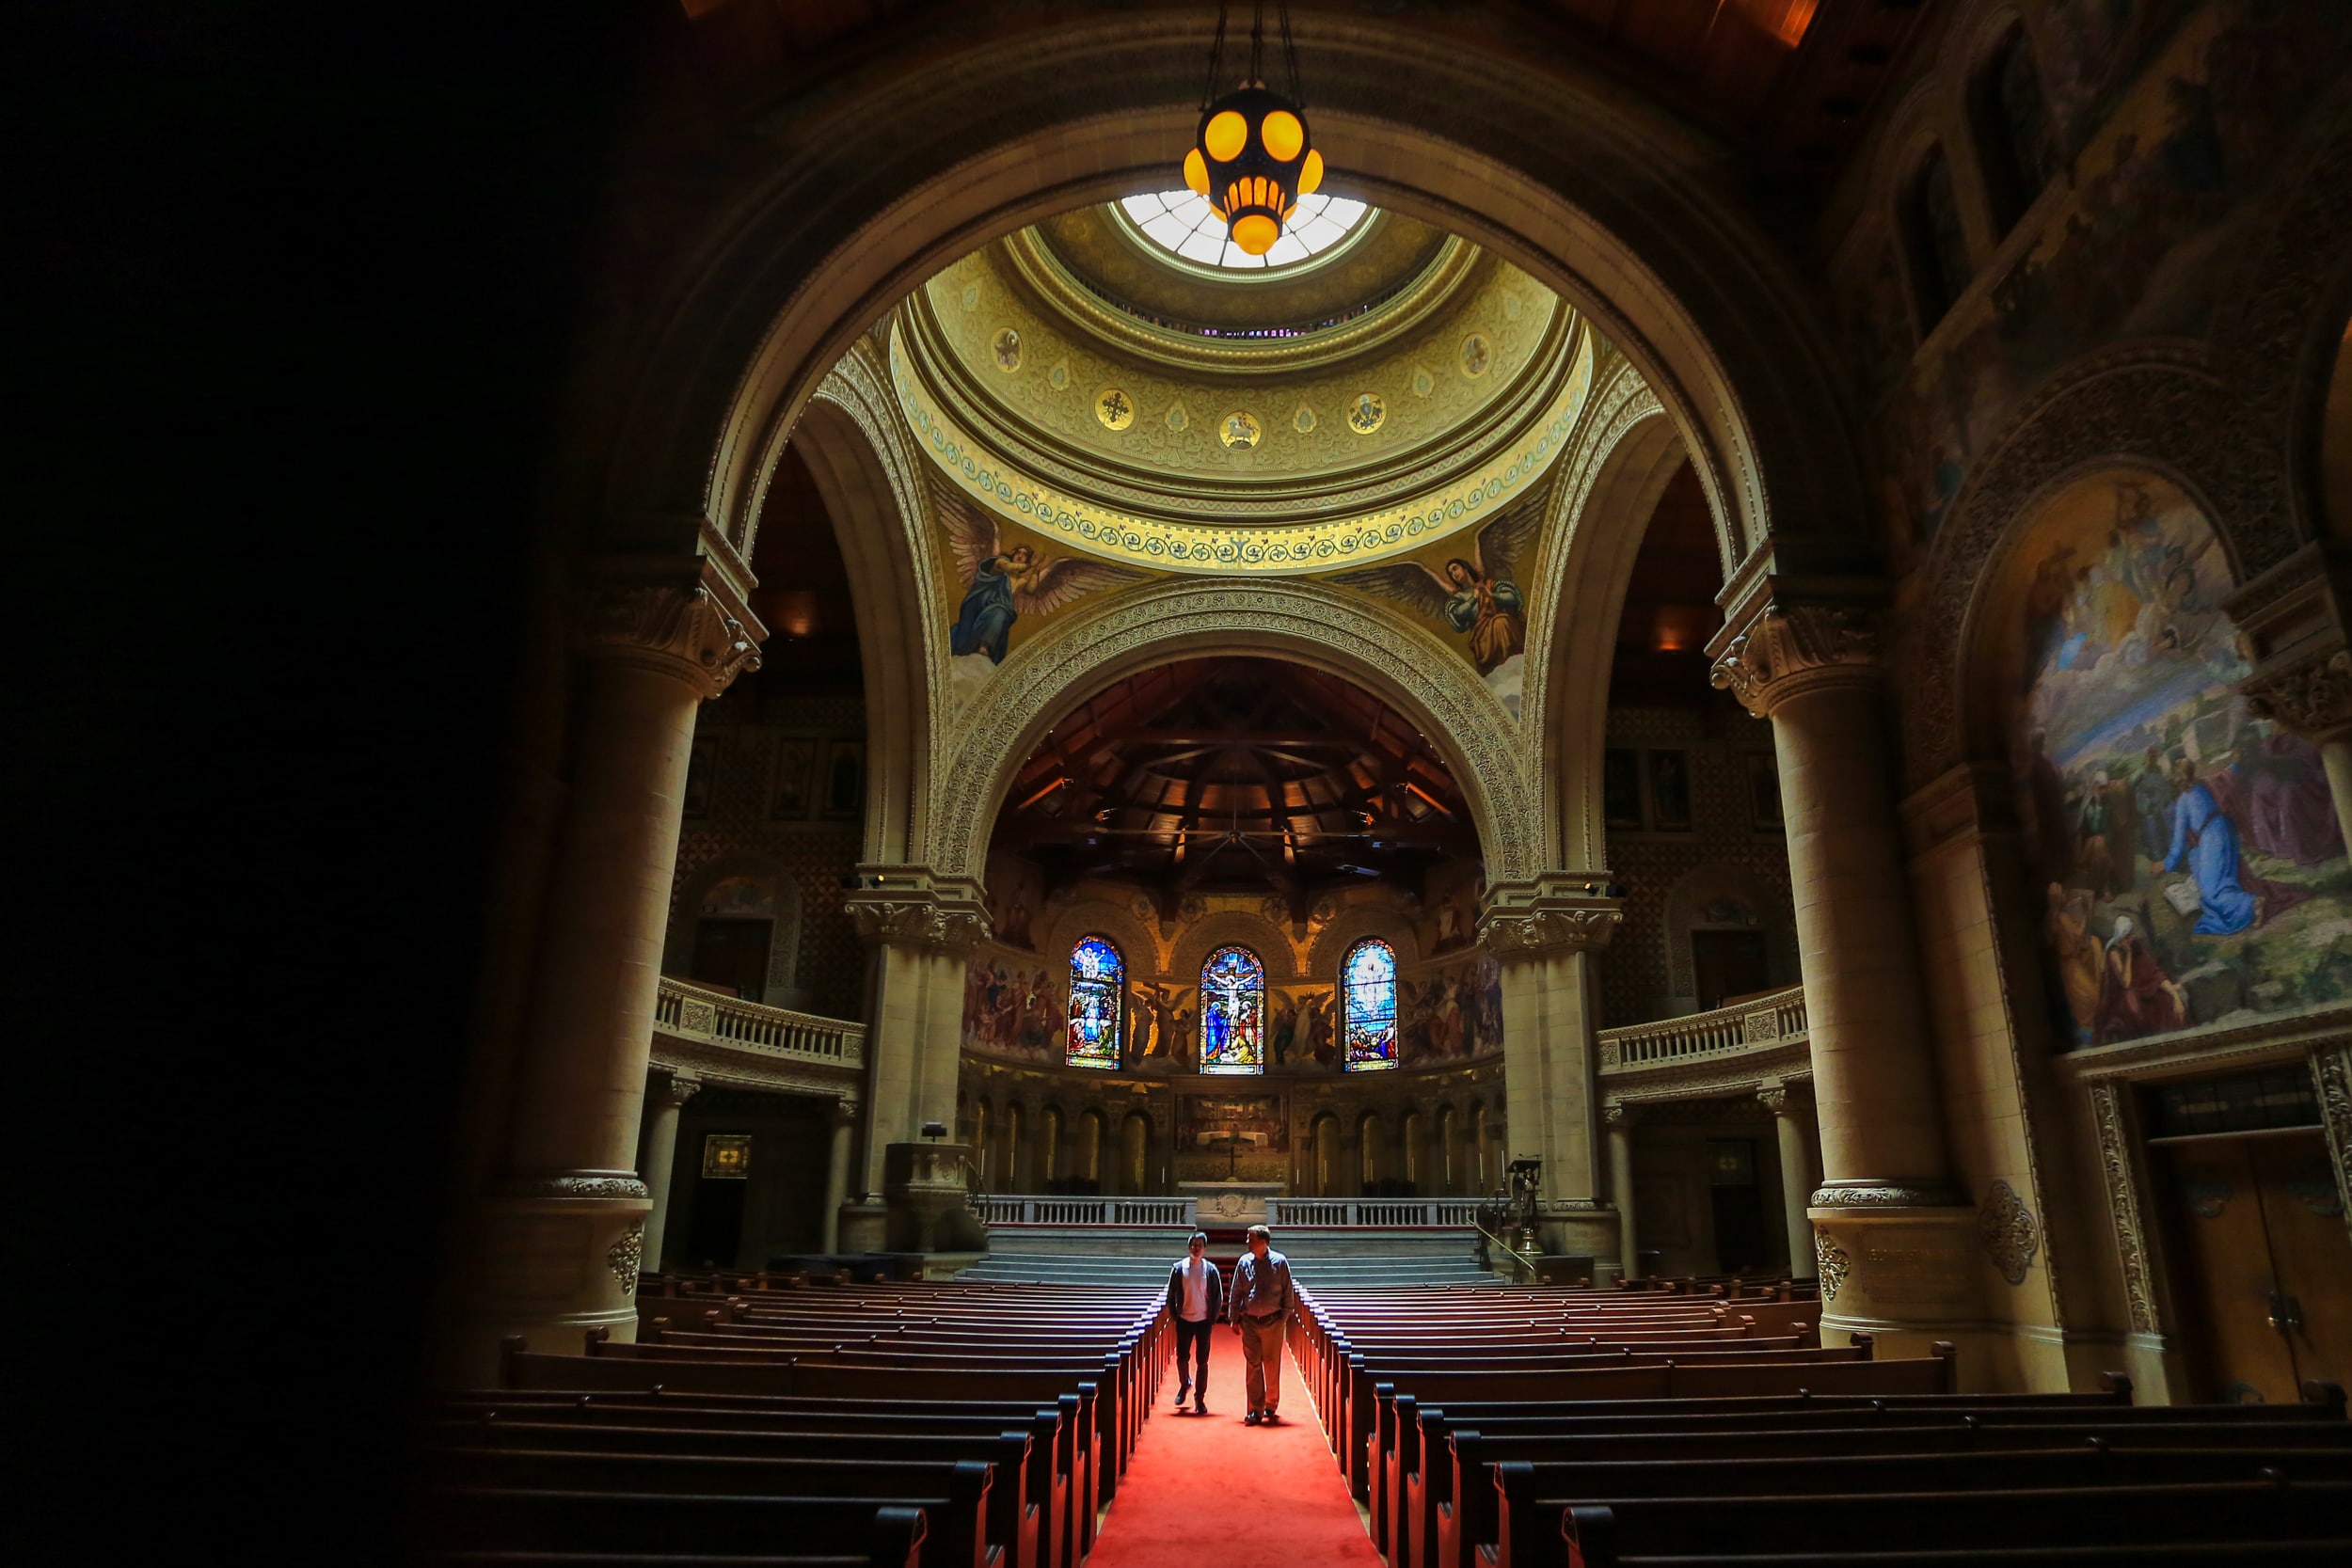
1232	1012
1097	984
1368	1003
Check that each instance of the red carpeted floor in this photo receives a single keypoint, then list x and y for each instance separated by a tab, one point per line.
1206	1490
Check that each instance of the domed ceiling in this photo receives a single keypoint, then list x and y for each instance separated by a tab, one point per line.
1081	381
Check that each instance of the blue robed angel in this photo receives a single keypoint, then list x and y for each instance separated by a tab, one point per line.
1000	585
2213	858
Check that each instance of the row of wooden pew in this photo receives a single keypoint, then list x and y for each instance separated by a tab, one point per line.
964	1425
1528	1428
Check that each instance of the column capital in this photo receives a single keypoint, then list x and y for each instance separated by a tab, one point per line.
1618	1117
842	1113
912	905
686	622
1782	1098
1557	911
2296	627
673	1089
1787	649
2311	697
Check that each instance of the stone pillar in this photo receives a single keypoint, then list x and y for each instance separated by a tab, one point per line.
1813	669
920	927
842	1118
563	1233
2313	697
1619	1119
1792	1118
1543	934
663	1101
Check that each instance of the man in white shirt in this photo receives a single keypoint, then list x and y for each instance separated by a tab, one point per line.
1195	1295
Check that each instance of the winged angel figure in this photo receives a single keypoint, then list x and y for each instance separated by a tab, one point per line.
1477	595
1000	586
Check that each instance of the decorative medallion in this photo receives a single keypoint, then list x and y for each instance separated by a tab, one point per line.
1423	383
1511	307
1477	354
624	1256
970	296
1006	345
1058	377
2008	1233
1831	1262
1304	421
1114	408
1239	430
1177	418
1367	413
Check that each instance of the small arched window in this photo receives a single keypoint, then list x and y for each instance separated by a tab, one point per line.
1097	986
2019	149
1368	1003
1940	268
1232	1012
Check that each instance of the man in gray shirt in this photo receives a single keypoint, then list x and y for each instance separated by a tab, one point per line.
1258	1308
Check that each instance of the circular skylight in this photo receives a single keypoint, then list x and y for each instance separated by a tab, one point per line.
1181	221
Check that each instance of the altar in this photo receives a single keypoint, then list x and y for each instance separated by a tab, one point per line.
1228	1203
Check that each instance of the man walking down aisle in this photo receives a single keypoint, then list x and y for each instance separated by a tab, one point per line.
1259	1306
1196	1293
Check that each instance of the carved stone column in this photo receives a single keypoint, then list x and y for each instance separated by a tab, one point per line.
920	929
663	1101
563	1233
1792	1118
1543	935
842	1118
1813	669
2313	699
1619	1120
2294	618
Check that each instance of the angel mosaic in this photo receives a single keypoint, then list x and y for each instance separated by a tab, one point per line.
1477	595
1001	585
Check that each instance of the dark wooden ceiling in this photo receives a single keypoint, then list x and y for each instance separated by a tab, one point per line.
1232	775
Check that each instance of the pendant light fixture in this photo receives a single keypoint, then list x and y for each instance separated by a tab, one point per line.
1250	153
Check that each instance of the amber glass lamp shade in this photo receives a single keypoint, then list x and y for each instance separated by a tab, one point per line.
1252	158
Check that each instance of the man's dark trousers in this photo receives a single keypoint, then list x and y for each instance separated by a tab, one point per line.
1193	1334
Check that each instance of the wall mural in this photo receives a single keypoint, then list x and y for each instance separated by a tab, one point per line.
2192	868
1004	578
1016	1007
1474	593
1453	1013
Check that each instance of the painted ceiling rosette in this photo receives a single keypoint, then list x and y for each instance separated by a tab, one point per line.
1367	405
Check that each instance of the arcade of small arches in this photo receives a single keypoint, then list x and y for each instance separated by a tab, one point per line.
1521	689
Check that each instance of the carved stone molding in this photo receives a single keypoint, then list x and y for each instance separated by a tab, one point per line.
1099	642
2331	1072
675	1089
1557	911
915	906
1831	1262
624	1256
588	1184
1784	1099
2312	699
2123	1205
1888	1195
681	630
1791	649
1619	1117
2008	1231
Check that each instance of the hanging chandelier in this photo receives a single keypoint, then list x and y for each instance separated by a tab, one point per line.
1250	154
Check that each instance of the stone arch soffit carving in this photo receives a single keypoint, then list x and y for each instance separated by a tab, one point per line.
784	944
1601	514
1302	621
865	468
1607	197
2157	409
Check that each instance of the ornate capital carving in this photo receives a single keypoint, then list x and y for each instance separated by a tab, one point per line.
2313	699
1889	1195
589	1184
1560	911
681	630
674	1090
2008	1231
908	904
1790	649
1618	1117
1783	1099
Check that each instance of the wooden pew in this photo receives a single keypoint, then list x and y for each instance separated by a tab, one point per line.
550	1526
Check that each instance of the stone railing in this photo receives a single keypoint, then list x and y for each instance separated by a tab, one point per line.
1761	1024
699	1013
1372	1211
1038	1208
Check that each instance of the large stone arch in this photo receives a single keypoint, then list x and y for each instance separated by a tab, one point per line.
1590	186
863	458
1303	622
1626	456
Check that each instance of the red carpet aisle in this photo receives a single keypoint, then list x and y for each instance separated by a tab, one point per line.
1207	1492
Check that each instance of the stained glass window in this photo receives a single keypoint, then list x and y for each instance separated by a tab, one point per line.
1097	980
1232	1012
1367	997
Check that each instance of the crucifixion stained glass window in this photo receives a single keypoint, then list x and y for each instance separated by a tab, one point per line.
1368	1002
1232	1012
1096	980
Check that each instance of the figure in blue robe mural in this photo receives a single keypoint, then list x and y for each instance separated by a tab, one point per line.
1001	585
2203	832
988	613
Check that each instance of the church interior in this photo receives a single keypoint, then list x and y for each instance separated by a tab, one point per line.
1669	681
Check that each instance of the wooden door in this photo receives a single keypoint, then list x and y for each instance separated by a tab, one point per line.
1727	964
734	954
2264	1271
